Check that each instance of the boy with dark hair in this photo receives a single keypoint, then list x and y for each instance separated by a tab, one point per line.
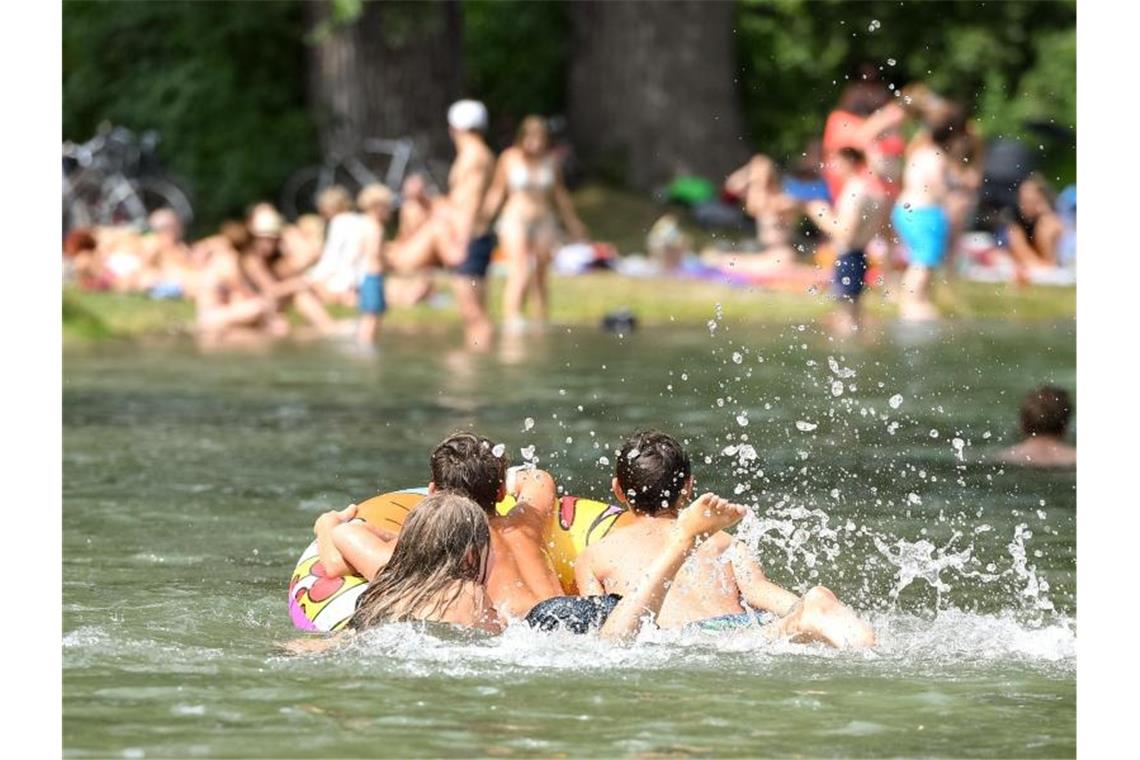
720	584
521	575
1044	418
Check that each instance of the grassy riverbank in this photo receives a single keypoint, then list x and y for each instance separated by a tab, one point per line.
583	300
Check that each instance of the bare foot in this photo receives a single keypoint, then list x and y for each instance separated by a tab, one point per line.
820	616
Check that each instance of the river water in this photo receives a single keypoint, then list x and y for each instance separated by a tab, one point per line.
191	481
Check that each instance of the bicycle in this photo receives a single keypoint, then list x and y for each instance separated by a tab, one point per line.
115	179
382	161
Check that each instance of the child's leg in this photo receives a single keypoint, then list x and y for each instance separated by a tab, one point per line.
372	306
820	616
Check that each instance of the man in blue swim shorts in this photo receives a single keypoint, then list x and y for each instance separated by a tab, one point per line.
857	215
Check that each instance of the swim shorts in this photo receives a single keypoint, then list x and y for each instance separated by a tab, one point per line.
577	614
372	294
924	231
850	273
478	259
733	622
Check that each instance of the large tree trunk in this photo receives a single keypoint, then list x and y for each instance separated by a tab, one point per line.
391	72
652	89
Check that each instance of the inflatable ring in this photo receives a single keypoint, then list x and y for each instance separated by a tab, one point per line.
320	603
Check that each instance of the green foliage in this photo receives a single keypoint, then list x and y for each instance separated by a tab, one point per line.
515	58
222	82
1009	62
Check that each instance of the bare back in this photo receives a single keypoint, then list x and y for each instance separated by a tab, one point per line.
704	587
522	574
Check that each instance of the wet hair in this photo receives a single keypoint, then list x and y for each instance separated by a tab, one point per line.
1046	411
652	470
466	464
444	544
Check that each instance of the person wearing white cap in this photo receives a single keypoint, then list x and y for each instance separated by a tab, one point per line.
454	237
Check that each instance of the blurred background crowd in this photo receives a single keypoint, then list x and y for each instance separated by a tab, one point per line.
257	145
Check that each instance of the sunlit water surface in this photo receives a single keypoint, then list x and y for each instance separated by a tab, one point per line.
191	481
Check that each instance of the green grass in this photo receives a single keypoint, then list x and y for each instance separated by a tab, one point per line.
584	300
622	218
102	316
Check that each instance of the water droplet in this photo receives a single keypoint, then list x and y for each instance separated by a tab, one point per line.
874	26
895	401
499	450
528	424
742	420
737	357
805	426
836	387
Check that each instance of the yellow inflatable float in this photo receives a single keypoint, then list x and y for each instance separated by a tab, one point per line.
320	603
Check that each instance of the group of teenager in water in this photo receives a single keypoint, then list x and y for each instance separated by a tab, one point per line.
456	560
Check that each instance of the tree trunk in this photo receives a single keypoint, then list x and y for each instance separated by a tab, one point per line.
390	72
652	89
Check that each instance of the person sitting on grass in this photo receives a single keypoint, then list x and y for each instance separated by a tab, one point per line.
465	464
1035	233
721	585
267	266
442	566
1045	413
858	214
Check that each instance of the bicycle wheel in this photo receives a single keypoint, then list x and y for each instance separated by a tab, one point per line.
132	202
299	193
156	193
77	211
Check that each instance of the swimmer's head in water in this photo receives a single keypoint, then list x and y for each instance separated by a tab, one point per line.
1046	411
653	472
444	543
466	464
467	116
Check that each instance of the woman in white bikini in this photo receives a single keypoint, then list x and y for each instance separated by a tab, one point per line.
530	180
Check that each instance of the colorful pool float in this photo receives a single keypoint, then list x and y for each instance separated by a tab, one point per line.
320	603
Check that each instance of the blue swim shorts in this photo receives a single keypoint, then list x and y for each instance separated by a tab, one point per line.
924	231
372	294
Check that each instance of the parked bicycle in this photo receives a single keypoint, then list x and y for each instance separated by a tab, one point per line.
378	161
115	178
